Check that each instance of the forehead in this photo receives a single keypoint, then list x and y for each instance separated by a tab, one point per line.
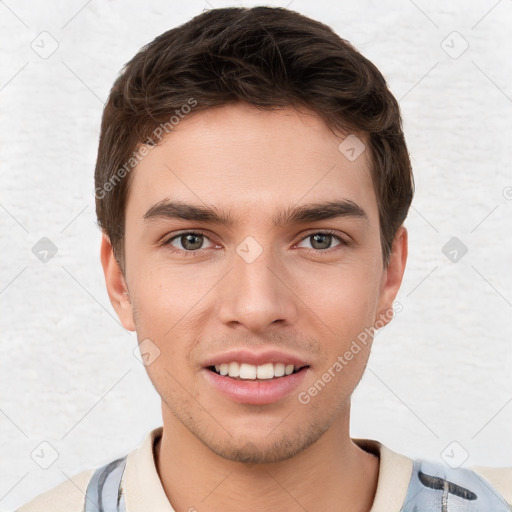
247	159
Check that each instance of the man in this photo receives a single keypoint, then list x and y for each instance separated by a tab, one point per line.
252	182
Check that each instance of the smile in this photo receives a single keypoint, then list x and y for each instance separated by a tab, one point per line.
254	389
246	371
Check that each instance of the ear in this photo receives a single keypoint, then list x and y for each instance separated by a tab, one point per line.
116	285
392	278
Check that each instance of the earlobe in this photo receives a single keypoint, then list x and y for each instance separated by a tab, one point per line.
116	285
392	277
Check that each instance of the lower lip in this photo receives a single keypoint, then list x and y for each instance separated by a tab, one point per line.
256	392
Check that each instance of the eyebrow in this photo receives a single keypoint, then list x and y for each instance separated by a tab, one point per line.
166	209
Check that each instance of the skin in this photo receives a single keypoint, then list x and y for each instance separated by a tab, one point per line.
285	455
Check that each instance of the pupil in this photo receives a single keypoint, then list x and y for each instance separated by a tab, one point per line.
191	245
318	238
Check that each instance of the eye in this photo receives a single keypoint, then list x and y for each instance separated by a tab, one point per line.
322	240
190	241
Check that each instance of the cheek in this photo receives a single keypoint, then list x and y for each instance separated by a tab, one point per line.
346	307
168	303
166	293
161	321
345	299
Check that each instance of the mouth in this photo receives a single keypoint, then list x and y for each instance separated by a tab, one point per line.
257	385
249	372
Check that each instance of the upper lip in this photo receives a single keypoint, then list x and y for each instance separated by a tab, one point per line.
255	358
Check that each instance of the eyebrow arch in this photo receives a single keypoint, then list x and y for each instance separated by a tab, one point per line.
293	215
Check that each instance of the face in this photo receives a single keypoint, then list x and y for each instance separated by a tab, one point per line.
271	280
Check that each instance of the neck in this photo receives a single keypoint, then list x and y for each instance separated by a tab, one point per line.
331	474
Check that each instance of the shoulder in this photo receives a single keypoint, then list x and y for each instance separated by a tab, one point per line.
417	485
437	486
68	496
98	482
499	478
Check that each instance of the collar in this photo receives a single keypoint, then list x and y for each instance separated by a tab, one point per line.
144	492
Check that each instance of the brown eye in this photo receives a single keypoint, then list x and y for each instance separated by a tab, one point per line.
191	241
321	241
186	242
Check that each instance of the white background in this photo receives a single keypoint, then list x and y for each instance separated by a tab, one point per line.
439	373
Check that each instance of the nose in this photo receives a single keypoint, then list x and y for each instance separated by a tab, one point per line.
257	292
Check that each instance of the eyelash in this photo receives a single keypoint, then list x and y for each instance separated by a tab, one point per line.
167	243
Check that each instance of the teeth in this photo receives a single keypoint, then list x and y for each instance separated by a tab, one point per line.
252	372
247	371
234	369
279	369
265	371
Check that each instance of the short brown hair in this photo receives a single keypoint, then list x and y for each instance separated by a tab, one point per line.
270	58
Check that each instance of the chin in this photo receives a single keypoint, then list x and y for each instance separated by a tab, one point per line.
270	449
